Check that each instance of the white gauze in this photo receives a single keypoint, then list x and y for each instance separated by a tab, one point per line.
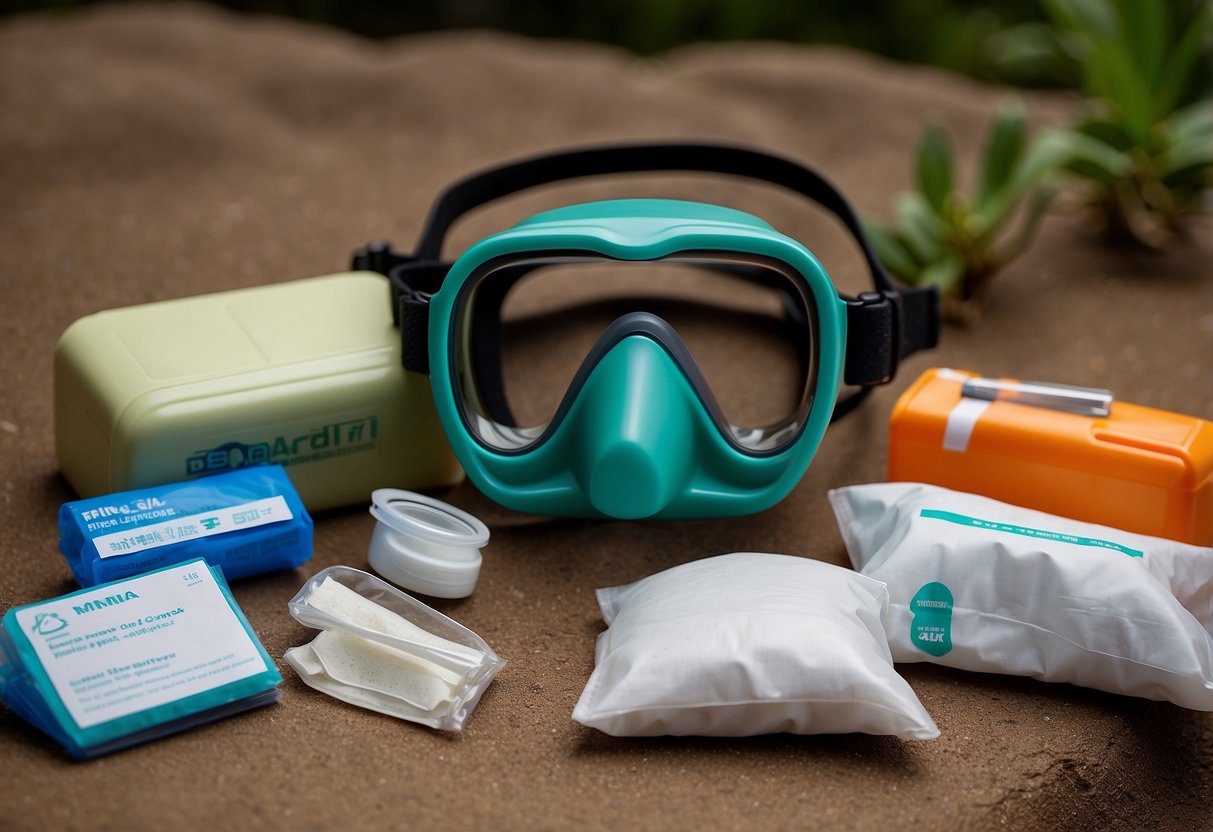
368	673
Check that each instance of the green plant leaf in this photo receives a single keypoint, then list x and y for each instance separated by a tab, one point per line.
1028	225
1004	146
1181	60
892	251
1052	150
1108	132
944	273
1185	186
1059	147
1095	173
1030	53
1144	28
1193	123
1117	81
934	168
1091	18
1195	178
921	230
1185	161
1191	154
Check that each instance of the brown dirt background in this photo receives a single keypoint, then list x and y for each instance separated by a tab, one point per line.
158	152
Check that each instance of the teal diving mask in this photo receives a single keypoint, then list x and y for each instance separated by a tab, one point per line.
642	358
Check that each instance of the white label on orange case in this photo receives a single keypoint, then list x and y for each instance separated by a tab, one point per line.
961	422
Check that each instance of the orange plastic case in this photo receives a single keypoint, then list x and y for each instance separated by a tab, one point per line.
1138	469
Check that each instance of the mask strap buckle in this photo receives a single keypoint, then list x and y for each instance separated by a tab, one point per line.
413	282
873	338
885	327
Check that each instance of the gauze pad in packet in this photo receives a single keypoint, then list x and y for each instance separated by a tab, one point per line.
385	651
746	644
981	585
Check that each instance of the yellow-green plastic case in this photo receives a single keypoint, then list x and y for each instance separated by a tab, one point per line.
305	374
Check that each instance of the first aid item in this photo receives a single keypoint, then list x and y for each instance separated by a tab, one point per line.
117	665
1071	451
303	374
385	651
643	358
746	644
981	585
424	544
247	522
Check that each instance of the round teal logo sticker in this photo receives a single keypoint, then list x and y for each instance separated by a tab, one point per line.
931	621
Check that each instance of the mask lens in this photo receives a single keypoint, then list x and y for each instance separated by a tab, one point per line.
524	329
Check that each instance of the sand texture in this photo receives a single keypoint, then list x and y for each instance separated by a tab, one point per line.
163	151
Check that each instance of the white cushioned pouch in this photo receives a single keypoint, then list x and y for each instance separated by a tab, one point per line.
982	585
747	644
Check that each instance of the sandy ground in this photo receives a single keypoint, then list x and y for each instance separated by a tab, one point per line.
152	153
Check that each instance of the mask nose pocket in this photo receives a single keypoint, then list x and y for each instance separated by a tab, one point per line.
634	437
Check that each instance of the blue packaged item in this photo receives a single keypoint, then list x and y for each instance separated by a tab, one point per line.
247	522
112	666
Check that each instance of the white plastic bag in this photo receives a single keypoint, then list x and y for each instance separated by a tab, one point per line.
982	585
746	644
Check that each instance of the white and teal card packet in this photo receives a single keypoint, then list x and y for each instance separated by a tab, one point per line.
248	521
116	665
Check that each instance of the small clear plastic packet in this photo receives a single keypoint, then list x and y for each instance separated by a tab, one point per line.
384	650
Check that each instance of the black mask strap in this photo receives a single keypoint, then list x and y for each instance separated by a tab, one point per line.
883	326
